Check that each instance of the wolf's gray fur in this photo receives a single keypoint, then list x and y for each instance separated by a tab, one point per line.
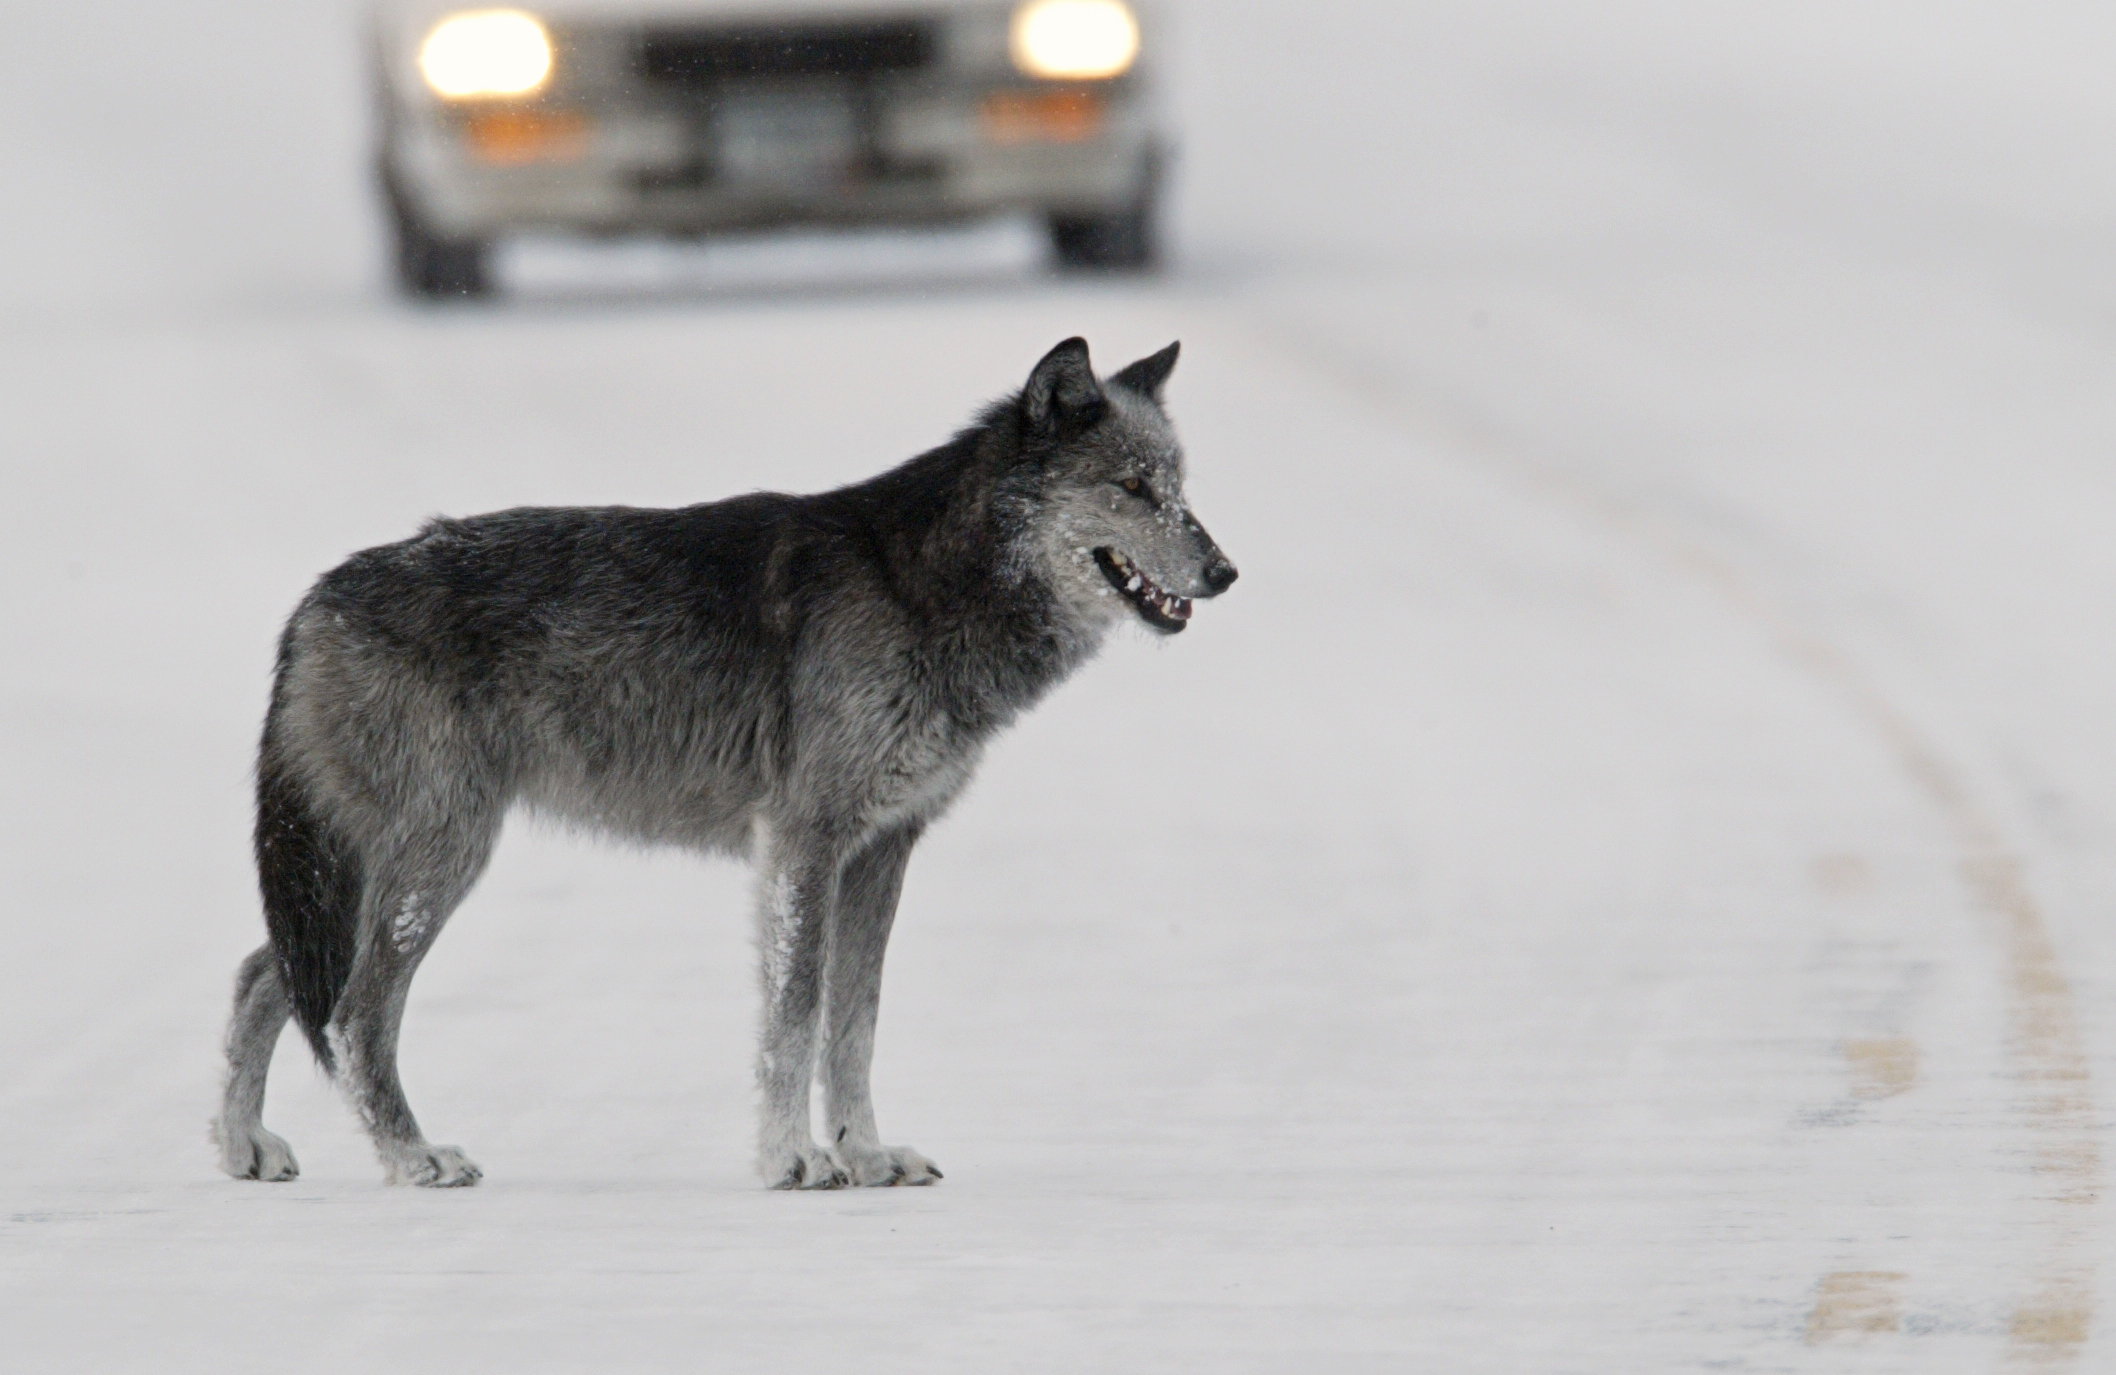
808	681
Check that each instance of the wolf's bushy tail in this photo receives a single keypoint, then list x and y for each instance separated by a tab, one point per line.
311	879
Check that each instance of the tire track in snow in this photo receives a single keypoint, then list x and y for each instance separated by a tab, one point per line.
2050	1322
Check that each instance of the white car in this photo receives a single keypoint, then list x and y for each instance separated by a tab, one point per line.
690	117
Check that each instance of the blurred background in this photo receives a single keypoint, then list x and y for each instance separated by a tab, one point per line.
1630	864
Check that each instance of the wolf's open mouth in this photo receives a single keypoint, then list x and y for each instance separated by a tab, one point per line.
1161	610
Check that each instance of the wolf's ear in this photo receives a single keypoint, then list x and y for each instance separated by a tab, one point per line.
1062	393
1149	375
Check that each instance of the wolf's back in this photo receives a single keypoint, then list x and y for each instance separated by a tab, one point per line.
423	666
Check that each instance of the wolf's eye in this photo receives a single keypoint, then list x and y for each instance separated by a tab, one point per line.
1137	488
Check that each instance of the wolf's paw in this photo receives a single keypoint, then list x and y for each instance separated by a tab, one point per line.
431	1167
803	1168
883	1167
254	1153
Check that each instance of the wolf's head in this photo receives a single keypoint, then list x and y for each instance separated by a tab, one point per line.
1108	524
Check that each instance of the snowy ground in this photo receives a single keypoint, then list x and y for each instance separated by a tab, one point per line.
1621	885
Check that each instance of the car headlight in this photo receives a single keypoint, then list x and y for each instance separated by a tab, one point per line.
1075	39
486	53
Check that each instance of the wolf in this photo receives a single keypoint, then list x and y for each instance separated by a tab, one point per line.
805	681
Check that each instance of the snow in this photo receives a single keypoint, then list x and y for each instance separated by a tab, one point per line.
1631	855
409	926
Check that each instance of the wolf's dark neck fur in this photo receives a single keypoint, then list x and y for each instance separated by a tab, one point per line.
948	532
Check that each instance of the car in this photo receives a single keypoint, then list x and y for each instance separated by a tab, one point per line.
700	117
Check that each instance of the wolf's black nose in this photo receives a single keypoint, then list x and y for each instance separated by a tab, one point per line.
1220	575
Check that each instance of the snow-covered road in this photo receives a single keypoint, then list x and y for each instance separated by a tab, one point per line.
1622	884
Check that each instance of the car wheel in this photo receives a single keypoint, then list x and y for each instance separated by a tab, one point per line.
1122	242
435	269
432	268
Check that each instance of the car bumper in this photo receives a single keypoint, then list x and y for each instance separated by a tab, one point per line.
646	176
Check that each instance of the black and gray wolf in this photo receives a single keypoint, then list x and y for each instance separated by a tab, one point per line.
804	680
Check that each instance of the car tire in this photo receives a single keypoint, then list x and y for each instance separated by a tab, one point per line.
435	269
431	267
1120	242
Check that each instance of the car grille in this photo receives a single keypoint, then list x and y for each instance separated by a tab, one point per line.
705	58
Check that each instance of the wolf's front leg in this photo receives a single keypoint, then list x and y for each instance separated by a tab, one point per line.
798	880
859	934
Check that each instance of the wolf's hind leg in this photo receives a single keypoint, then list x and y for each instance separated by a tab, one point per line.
407	905
247	1150
859	934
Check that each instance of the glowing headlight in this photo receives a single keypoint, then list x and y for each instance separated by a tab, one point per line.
486	52
1075	39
